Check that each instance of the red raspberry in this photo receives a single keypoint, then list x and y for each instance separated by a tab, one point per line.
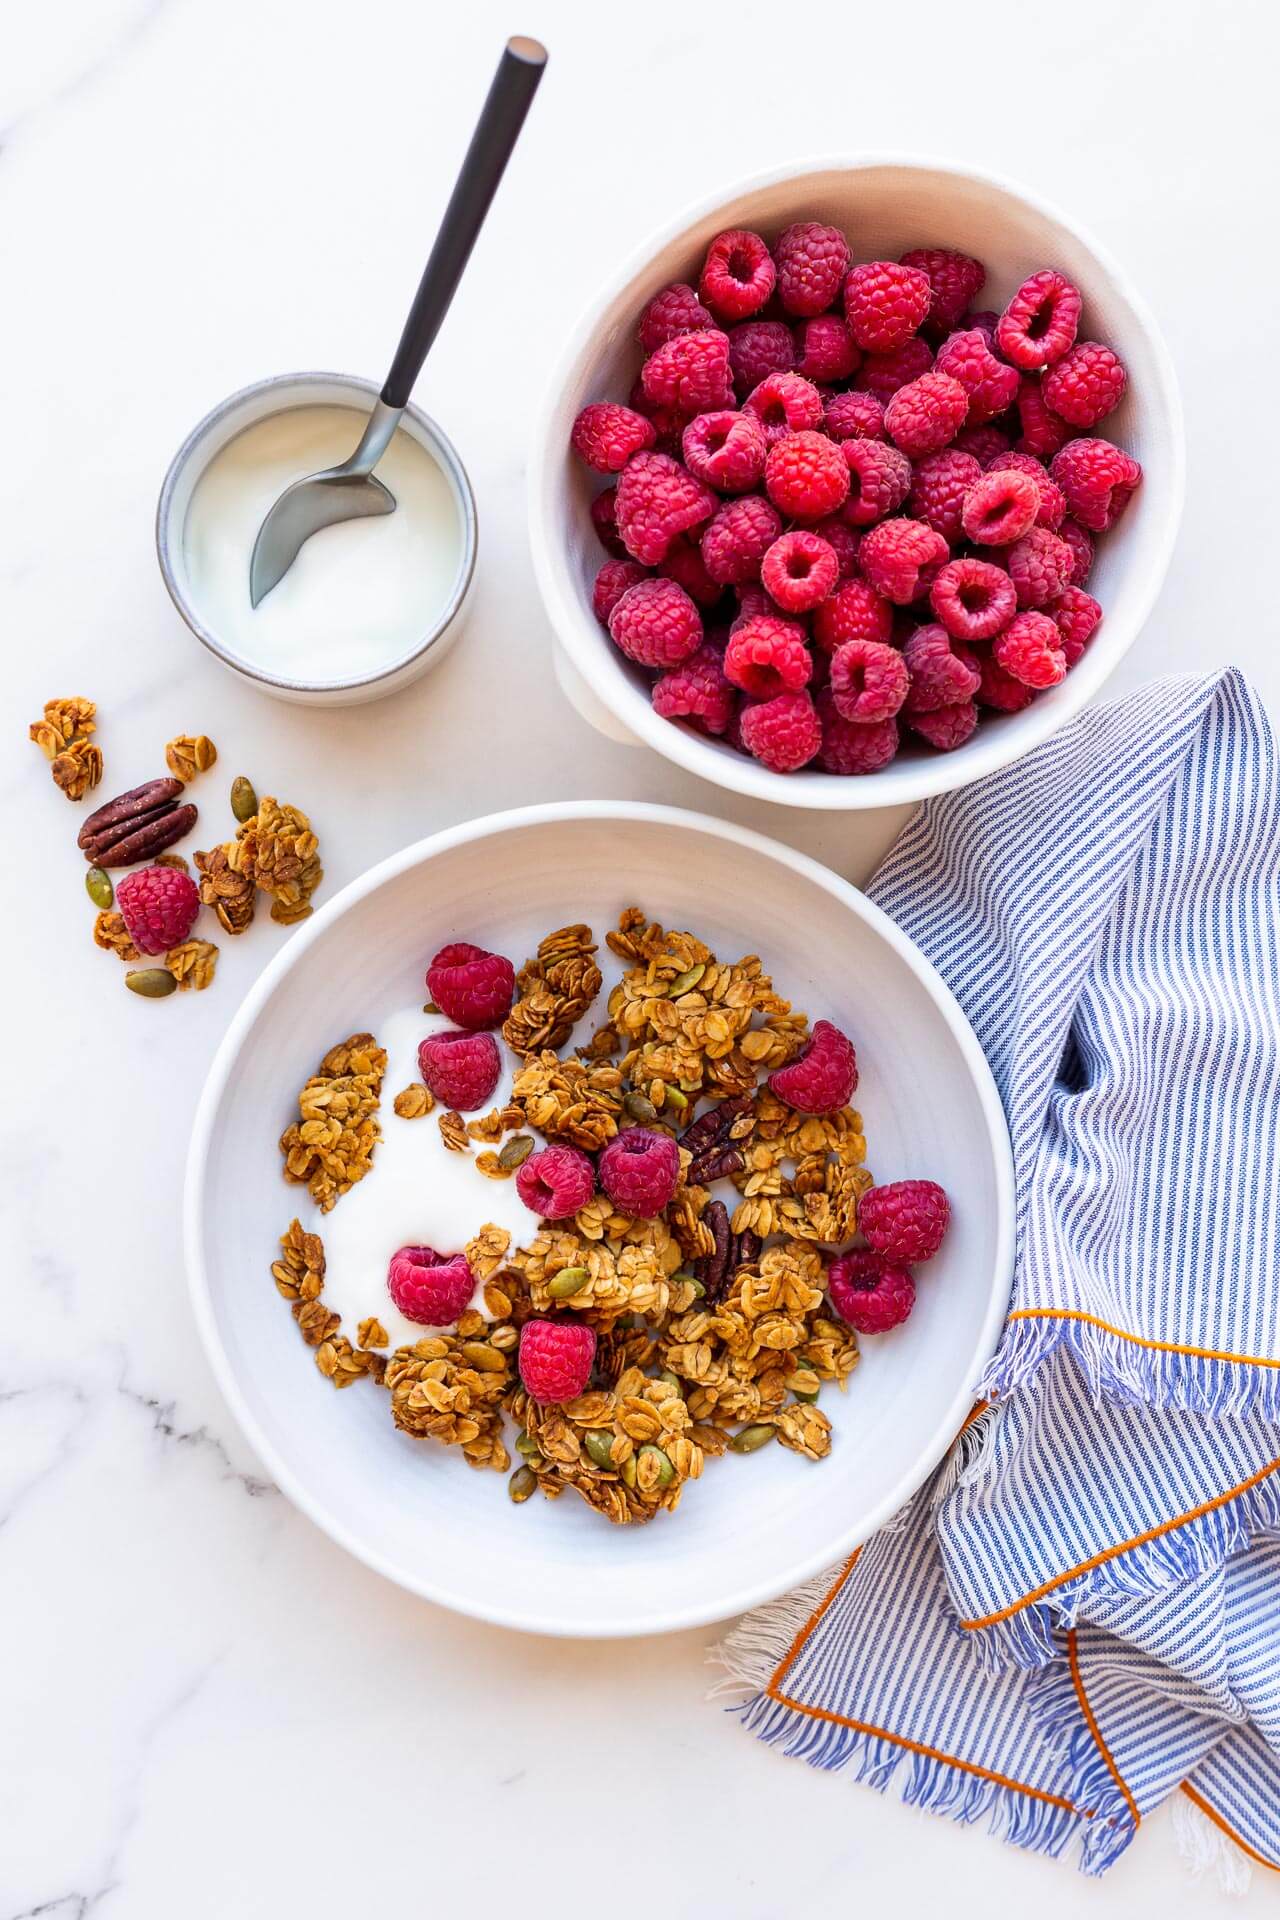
1040	321
999	508
900	558
955	281
800	570
1085	384
938	676
668	422
973	599
999	689
556	1182
604	518
471	986
882	374
1030	648
677	309
429	1288
555	1359
884	304
726	450
697	691
690	373
871	1294
684	564
1098	480
945	727
1075	614
461	1069
1042	431
752	600
738	538
612	581
985	322
657	500
158	906
984	443
806	476
825	349
823	1077
606	435
853	416
656	624
812	263
939	484
855	611
989	383
926	414
879	480
640	1171
869	681
1040	567
785	403
1053	507
1081	551
843	541
849	746
758	348
738	275
783	733
767	655
905	1220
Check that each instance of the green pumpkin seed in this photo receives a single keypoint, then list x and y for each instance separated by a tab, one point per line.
482	1356
521	1484
599	1446
515	1151
568	1281
97	885
671	1379
684	982
675	1098
808	1398
628	1471
666	1472
244	801
429	1006
750	1438
637	1107
153	983
689	1280
526	1446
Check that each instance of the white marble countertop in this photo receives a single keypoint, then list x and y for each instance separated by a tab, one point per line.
209	1708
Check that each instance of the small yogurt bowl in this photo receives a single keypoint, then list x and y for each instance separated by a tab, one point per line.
279	394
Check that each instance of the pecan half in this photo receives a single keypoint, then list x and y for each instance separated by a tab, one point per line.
711	1140
136	825
713	1268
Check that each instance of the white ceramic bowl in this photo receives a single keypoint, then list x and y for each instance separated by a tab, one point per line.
884	205
751	1527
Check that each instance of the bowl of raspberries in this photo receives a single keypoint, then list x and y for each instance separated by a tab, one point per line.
856	486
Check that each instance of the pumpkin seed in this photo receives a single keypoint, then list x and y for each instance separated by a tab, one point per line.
808	1398
527	1447
750	1438
689	1280
153	983
97	885
244	801
683	982
628	1471
672	1380
637	1107
429	1006
515	1151
521	1484
666	1472
600	1447
482	1356
568	1281
675	1098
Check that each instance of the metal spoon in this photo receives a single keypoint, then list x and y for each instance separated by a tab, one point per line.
350	491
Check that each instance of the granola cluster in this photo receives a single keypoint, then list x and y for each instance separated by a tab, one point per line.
555	989
62	735
330	1145
274	852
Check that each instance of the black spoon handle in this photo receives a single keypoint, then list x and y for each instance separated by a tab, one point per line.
498	128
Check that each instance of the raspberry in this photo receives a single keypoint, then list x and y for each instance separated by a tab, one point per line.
758	348
945	727
900	558
668	422
606	435
905	1220
726	450
853	416
783	733
429	1288
882	374
1039	565
812	263
752	600
785	403
690	373
939	677
158	906
843	541
879	480
1085	384
999	508
640	1170
767	655
612	581
825	349
1042	431
989	383
926	414
604	518
1098	480
1081	551
939	484
855	611
799	571
1075	614
823	1077
698	691
1040	321
805	475
684	564
869	680
471	986
871	1294
849	746
984	443
973	599
738	538
555	1359
984	323
656	624
999	689
677	309
460	1068
884	304
556	1182
955	281
738	275
657	500
1030	648
1053	507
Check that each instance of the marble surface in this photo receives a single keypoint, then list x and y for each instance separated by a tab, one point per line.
208	1707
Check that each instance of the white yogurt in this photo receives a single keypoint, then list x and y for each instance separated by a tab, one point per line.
359	596
416	1194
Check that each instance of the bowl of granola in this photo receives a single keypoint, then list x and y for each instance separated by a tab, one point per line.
645	1185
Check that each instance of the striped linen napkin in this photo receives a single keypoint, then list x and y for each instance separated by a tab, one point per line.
1078	1615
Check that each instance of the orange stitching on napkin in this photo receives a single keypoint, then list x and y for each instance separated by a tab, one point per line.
1139	1340
813	1620
1211	1813
1096	1730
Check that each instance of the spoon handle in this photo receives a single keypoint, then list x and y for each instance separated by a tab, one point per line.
498	128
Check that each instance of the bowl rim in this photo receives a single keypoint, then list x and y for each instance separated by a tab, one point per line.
500	1613
574	629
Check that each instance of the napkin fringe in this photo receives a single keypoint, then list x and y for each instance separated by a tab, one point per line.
1206	1849
753	1650
1054	1705
1131	1374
